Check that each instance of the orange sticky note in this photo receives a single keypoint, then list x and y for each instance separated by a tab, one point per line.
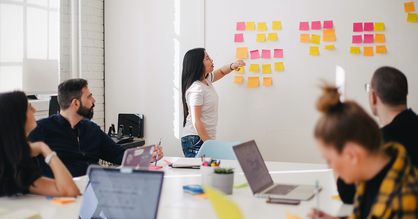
254	67
266	69
277	25
267	81
201	196
409	6
278	66
250	26
238	79
381	49
315	39
328	35
272	36
379	38
242	53
252	82
354	50
62	201
412	17
291	216
304	38
314	50
368	51
379	26
241	70
261	37
262	26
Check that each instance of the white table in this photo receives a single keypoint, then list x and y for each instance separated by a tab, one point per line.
174	203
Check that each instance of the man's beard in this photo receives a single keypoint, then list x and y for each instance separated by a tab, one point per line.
85	112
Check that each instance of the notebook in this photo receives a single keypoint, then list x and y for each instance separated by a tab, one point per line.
259	179
138	157
121	193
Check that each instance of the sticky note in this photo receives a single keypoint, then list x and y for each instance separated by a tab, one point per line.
381	49
238	185
357	39
272	36
266	69
368	26
278	66
304	26
412	17
262	26
358	27
304	38
239	37
329	46
314	50
315	39
61	201
261	37
238	79
201	196
240	25
153	167
278	53
242	53
241	70
224	207
379	38
328	24
409	6
255	54
254	67
354	50
328	35
368	38
316	25
250	26
252	82
267	81
291	216
368	51
379	26
277	25
265	54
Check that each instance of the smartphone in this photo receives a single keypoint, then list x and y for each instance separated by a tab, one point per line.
283	201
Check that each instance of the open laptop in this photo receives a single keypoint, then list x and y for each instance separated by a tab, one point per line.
259	179
138	157
121	193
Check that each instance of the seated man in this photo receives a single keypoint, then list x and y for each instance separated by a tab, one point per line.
387	97
77	141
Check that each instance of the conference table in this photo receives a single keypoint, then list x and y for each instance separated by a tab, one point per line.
174	203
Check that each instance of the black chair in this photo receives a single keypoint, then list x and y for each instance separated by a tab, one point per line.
54	107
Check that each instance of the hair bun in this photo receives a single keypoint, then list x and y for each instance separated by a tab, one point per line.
329	99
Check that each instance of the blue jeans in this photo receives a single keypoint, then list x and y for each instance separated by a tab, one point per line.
191	145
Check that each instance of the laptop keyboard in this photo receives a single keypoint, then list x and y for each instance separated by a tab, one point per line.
281	189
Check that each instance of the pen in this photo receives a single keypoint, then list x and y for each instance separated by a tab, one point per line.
156	157
317	199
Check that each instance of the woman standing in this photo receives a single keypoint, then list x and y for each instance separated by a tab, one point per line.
200	100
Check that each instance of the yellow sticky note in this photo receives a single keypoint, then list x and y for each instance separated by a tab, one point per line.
249	25
354	50
409	6
261	37
337	197
381	49
412	17
291	216
267	81
272	36
304	38
379	38
238	79
266	69
379	26
328	35
315	39
242	53
314	50
224	208
278	66
277	25
241	70
254	67
252	82
368	51
329	46
262	26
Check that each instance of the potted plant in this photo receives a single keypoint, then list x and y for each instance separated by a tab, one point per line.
223	179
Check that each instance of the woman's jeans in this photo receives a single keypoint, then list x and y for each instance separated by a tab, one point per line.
191	145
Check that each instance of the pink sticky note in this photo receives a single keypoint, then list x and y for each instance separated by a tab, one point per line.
265	54
152	167
278	53
368	38
328	24
358	27
239	37
316	25
240	25
368	26
357	39
255	54
304	26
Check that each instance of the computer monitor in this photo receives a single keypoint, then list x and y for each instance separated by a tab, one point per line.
134	120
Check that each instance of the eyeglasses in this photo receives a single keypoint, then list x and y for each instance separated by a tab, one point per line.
367	87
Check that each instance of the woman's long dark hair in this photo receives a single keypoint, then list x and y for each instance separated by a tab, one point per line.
17	168
193	70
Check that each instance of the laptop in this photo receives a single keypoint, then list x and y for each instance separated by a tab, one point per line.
138	157
121	193
259	179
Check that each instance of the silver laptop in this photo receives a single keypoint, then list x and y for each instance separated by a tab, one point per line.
138	157
259	179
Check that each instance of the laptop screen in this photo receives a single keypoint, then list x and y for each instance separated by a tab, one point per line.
115	193
253	165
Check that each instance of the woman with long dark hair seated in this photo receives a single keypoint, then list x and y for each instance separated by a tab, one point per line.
19	173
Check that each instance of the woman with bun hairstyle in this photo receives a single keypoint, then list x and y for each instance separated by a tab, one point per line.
19	172
352	144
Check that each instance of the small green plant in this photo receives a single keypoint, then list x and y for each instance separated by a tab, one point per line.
224	170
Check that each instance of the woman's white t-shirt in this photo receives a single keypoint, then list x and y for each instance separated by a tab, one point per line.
200	94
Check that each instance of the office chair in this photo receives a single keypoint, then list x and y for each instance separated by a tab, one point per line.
54	107
218	150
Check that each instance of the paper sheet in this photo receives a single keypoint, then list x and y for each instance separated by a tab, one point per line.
354	50
314	50
261	37
304	38
254	67
250	26
316	25
255	54
368	51
272	36
265	54
278	66
379	26
278	53
368	26
409	6
304	26
315	39
277	25
357	39
240	25
262	26
252	82
368	38
224	208
242	53
358	27
328	35
267	81
381	49
239	37
238	79
266	69
328	24
379	38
